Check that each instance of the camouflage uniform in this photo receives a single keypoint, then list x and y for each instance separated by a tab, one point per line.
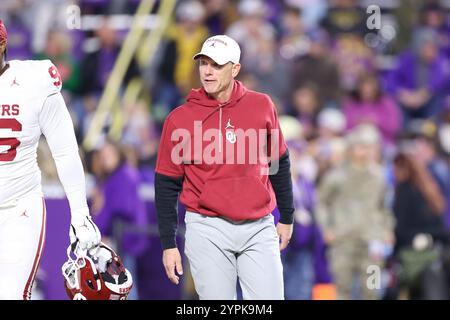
350	206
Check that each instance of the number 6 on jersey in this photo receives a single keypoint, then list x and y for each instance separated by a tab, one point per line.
12	143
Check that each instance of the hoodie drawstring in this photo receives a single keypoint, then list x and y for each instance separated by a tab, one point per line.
220	122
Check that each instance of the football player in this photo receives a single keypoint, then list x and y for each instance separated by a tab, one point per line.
30	105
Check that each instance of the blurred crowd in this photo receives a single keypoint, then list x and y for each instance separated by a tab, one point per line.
363	98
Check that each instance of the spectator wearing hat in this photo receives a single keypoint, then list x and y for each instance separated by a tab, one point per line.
351	212
329	147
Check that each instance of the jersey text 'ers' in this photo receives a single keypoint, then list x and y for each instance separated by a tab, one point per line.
9	110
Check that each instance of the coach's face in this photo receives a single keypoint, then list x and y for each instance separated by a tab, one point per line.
217	79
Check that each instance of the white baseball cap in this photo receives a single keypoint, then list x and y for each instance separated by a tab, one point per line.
222	49
332	119
191	11
363	133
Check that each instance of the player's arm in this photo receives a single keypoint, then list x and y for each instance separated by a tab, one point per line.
56	124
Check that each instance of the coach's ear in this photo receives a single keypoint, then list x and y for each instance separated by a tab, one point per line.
235	69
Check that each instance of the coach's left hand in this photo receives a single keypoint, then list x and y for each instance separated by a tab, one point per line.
285	233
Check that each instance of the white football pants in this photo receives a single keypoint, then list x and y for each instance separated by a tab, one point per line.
22	236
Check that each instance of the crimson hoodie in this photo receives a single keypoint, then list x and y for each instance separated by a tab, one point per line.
204	142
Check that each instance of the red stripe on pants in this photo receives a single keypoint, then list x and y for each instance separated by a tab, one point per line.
37	258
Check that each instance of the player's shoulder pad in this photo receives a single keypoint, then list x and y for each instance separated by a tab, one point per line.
45	75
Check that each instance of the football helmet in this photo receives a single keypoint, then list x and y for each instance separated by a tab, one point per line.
97	274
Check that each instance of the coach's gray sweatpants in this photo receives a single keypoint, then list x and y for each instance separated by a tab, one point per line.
220	252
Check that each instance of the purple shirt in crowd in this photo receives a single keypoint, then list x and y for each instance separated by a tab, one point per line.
384	114
122	203
405	75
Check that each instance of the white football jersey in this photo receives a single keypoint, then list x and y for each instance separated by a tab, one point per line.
24	87
30	105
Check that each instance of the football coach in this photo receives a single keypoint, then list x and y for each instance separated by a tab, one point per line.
223	154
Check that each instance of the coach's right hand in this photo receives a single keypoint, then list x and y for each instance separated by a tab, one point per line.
172	263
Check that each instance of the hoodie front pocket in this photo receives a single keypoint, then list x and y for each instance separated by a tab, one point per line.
236	198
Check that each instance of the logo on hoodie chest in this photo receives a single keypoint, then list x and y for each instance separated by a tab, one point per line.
229	132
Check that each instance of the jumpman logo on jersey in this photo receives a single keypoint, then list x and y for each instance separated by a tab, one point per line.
213	45
229	125
14	82
230	135
24	214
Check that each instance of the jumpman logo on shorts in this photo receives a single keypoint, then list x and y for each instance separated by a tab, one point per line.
24	214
